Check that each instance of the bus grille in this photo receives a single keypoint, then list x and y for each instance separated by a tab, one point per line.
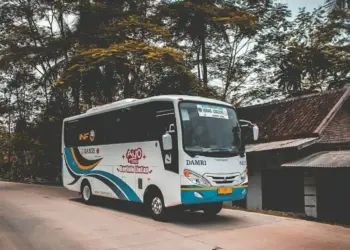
224	179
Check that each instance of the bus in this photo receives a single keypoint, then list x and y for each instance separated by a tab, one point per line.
165	151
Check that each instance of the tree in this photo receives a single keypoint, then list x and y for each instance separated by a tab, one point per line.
337	4
51	68
315	54
199	22
133	57
238	63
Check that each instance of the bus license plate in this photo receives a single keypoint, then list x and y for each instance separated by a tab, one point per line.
225	190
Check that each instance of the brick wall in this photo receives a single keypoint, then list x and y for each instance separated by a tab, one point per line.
338	130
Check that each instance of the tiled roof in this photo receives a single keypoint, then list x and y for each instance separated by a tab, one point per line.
294	143
294	117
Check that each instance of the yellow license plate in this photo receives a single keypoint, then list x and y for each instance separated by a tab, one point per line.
225	190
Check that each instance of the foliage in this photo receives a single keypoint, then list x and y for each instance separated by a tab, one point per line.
202	21
59	56
337	4
238	62
315	54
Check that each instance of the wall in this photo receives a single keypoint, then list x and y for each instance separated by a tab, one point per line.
283	190
333	189
264	162
254	197
310	195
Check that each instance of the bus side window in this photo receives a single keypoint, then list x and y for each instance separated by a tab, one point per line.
139	123
126	125
70	133
115	127
165	116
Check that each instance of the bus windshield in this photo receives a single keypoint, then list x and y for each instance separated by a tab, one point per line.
210	129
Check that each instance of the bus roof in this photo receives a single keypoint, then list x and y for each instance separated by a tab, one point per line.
133	102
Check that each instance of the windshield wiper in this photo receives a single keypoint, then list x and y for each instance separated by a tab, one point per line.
219	150
210	150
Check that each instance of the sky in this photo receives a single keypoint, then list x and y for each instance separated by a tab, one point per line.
294	5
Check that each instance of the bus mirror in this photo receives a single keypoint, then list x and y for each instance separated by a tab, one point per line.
167	142
255	132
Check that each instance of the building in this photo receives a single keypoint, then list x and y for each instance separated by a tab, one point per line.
301	162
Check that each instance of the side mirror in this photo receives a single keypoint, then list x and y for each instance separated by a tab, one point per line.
245	123
167	141
255	132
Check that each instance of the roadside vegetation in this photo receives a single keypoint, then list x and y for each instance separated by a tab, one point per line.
60	57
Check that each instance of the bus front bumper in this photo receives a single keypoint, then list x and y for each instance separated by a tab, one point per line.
196	195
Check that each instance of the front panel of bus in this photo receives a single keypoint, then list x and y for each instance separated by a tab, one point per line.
212	161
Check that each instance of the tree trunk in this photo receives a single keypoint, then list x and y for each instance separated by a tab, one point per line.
109	82
204	62
76	97
198	64
127	87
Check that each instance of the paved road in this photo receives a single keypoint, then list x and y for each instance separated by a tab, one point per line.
43	218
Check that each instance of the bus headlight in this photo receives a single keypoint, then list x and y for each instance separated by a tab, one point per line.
196	178
244	176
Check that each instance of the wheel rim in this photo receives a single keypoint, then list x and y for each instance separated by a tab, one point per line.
86	193
157	205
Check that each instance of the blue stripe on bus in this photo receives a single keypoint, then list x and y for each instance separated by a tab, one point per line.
120	184
132	196
111	185
190	197
72	164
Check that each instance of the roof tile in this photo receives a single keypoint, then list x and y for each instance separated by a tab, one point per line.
291	118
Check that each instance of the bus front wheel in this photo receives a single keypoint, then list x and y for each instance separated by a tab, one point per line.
212	209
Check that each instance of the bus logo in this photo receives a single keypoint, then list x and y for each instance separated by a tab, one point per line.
85	136
134	155
92	135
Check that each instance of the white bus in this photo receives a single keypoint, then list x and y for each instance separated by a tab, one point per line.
164	151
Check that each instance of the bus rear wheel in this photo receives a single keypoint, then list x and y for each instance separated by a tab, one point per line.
155	204
86	193
212	209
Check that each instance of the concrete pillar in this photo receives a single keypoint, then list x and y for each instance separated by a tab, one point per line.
254	197
310	197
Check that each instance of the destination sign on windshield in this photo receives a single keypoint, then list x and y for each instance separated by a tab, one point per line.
212	111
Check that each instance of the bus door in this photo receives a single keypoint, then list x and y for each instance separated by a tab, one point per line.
166	122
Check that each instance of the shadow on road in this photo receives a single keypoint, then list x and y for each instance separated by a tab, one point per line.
180	217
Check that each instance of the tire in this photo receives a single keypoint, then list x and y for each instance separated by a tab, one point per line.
86	193
212	209
155	205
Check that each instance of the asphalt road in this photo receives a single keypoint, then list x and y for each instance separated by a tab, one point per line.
43	218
